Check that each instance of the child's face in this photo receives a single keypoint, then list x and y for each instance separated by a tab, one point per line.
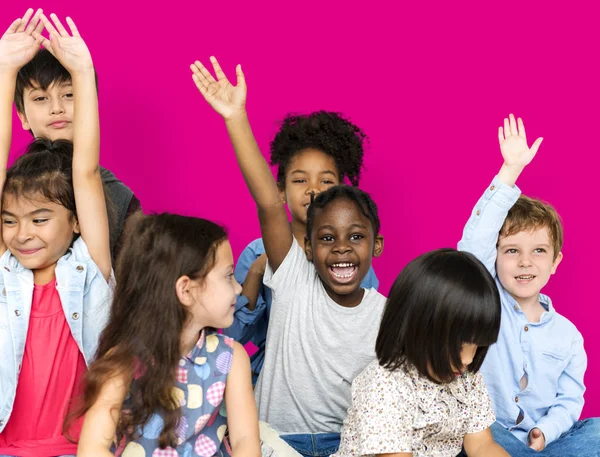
341	247
216	294
37	232
309	171
49	113
525	262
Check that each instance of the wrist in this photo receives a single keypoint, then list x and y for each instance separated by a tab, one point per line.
84	71
509	174
7	70
236	116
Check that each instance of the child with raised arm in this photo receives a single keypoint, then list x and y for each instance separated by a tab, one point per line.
535	371
323	324
313	153
165	382
55	264
424	395
44	98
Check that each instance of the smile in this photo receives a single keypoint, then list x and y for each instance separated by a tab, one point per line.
28	251
343	272
525	277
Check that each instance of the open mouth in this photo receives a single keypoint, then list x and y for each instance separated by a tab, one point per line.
525	278
343	272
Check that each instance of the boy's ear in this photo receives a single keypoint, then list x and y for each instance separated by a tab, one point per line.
378	246
556	262
24	121
308	249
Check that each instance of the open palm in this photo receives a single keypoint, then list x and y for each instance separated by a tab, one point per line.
225	98
513	143
69	49
21	41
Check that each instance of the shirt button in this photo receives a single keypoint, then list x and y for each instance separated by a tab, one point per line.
478	212
17	312
7	269
516	399
4	292
516	307
79	268
1	423
75	316
526	328
492	188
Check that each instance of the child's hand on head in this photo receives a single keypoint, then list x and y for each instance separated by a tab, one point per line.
21	41
513	145
226	99
70	50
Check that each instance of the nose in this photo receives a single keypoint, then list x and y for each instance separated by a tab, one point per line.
237	287
57	107
524	260
342	246
24	233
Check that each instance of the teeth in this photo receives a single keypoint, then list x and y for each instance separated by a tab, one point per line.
342	276
528	277
342	265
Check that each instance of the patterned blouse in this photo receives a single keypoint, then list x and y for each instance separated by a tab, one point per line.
401	411
200	388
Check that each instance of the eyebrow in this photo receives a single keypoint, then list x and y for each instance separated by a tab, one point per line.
516	245
33	213
331	227
329	172
62	84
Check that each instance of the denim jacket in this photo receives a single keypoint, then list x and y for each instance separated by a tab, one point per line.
86	298
548	353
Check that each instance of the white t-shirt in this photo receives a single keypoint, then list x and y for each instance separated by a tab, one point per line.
314	349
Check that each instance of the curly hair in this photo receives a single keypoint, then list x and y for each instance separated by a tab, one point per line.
325	131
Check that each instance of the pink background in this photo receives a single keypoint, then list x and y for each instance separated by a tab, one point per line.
430	84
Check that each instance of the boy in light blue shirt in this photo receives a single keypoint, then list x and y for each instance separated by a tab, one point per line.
534	373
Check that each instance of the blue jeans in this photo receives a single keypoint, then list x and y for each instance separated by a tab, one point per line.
581	440
314	445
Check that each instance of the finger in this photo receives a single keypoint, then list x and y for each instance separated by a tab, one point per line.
14	26
199	84
218	71
198	77
39	29
506	128
204	71
33	23
500	135
521	128
25	20
534	149
73	27
45	42
54	44
61	29
513	125
239	74
48	25
39	39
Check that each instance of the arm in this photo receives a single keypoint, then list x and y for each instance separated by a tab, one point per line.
480	234
242	417
73	54
568	403
230	102
254	280
18	45
100	423
482	444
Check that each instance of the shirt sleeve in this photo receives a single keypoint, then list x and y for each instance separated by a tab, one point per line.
383	411
480	234
370	281
482	414
568	403
293	272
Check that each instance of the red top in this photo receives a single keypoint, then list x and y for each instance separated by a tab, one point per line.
50	377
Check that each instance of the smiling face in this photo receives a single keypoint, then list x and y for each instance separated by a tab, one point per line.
525	262
341	247
49	113
37	232
309	171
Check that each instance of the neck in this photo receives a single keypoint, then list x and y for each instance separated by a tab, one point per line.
44	275
531	307
299	231
347	301
189	337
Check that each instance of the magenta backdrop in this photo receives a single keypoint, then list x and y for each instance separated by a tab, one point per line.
429	84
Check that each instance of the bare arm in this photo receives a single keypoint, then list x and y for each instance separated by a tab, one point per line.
18	45
73	54
253	281
100	423
482	444
230	102
242	417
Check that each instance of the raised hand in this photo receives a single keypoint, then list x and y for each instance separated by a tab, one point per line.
513	143
21	41
226	99
69	49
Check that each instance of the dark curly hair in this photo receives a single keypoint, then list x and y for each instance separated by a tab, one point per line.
325	131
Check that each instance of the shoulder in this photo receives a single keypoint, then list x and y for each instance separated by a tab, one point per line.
374	298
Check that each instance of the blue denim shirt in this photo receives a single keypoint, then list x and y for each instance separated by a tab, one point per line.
85	297
251	326
549	353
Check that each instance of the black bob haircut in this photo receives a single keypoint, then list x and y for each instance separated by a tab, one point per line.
361	198
439	301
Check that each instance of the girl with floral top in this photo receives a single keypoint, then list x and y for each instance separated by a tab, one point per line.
424	395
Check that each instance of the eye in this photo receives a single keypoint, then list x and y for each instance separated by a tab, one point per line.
328	182
299	181
540	251
511	251
327	238
69	95
39	221
8	222
41	98
356	237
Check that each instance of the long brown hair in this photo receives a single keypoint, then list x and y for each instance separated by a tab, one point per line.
142	337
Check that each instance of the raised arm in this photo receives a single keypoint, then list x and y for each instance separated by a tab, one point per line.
72	52
480	234
18	45
230	102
